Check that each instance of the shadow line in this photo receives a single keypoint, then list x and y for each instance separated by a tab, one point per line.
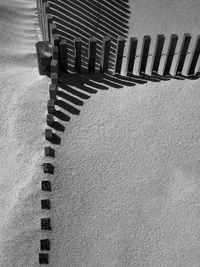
74	84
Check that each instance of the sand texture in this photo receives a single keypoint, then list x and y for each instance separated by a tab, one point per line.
127	173
22	122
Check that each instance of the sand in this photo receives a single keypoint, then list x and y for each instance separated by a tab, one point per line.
126	183
22	122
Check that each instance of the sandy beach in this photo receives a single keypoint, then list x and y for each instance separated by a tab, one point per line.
125	191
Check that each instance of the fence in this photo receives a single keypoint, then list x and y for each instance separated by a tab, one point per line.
60	50
53	58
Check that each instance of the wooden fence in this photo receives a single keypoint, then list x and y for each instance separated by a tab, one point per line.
60	50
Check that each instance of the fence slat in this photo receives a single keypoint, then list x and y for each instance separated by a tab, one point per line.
39	10
105	53
55	40
53	31
52	91
157	53
131	54
42	17
194	57
183	53
44	2
170	54
77	46
55	54
49	20
63	56
119	54
54	66
92	54
54	78
144	54
46	26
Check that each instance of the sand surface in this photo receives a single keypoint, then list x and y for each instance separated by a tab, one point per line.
127	176
22	122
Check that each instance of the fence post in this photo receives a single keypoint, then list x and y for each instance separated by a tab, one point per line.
119	54
77	64
183	53
105	53
144	54
131	54
170	54
63	56
44	56
194	57
92	55
157	53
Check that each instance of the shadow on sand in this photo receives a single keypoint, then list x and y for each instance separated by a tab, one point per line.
74	89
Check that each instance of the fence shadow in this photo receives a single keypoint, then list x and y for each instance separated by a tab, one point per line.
87	19
74	89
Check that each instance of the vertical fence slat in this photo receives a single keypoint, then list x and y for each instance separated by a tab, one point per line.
52	91
39	10
54	66
46	26
131	54
55	40
53	31
53	28
63	56
44	2
51	106
105	53
55	53
157	53
54	78
170	54
144	54
77	62
92	55
42	18
119	54
194	57
183	53
49	20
